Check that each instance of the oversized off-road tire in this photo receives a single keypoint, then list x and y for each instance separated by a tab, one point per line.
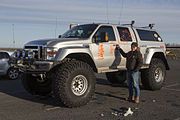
116	77
36	85
154	77
73	83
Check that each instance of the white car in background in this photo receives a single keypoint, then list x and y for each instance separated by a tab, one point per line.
5	68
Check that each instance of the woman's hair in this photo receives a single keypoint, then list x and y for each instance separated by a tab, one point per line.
134	44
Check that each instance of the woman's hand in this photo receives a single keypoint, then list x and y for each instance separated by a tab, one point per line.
117	47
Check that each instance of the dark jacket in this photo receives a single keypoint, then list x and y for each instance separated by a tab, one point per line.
134	59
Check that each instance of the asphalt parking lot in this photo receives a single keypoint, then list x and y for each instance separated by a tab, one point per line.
108	103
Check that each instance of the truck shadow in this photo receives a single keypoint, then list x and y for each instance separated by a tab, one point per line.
101	81
14	88
110	95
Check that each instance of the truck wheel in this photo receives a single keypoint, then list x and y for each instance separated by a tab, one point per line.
116	77
36	85
13	73
154	77
74	83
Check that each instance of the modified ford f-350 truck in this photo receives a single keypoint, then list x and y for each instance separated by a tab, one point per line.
65	67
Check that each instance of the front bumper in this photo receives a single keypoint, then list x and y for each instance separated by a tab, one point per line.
34	67
31	59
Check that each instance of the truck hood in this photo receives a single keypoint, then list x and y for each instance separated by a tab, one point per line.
56	42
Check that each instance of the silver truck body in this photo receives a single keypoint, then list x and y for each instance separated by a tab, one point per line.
65	66
111	60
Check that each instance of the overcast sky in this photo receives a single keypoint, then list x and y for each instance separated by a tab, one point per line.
36	19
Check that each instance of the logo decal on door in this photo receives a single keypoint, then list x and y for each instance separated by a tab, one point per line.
101	52
112	49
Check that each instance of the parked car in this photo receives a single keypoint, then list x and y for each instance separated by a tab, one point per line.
5	68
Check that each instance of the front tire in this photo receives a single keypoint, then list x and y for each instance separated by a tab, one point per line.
74	83
36	84
154	77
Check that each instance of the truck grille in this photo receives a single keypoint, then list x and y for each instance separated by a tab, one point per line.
39	51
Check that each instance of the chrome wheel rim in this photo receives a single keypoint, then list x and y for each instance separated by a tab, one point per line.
158	75
13	74
79	85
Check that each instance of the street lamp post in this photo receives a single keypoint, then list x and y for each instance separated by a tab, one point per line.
13	36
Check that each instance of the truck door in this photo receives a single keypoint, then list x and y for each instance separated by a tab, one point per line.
126	37
103	49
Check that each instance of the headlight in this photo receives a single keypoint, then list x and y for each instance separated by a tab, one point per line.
18	53
51	53
23	54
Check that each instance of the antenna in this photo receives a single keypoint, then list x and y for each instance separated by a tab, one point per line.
121	10
56	27
107	10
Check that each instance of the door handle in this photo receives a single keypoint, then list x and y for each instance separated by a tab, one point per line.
143	45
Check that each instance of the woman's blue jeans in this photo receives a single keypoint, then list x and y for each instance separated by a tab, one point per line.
133	83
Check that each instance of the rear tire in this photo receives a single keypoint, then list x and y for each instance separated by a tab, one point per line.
154	77
35	85
74	83
116	77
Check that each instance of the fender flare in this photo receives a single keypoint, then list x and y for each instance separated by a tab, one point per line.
79	53
155	53
63	52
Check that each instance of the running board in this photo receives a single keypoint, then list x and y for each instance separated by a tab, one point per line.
110	69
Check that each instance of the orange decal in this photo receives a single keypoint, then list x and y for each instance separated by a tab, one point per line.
101	52
112	49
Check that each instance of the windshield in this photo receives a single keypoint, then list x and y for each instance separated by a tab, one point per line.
81	31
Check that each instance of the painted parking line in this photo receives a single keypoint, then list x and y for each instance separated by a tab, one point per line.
169	87
177	118
52	108
176	84
172	89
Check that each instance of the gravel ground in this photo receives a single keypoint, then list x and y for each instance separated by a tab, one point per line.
108	102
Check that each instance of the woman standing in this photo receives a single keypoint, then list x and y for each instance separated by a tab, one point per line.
133	64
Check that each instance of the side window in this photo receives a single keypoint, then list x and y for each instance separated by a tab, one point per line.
146	35
105	29
124	34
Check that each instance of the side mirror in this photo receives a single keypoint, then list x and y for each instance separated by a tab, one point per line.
104	37
59	36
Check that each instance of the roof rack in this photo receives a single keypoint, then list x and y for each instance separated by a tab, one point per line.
131	24
149	26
